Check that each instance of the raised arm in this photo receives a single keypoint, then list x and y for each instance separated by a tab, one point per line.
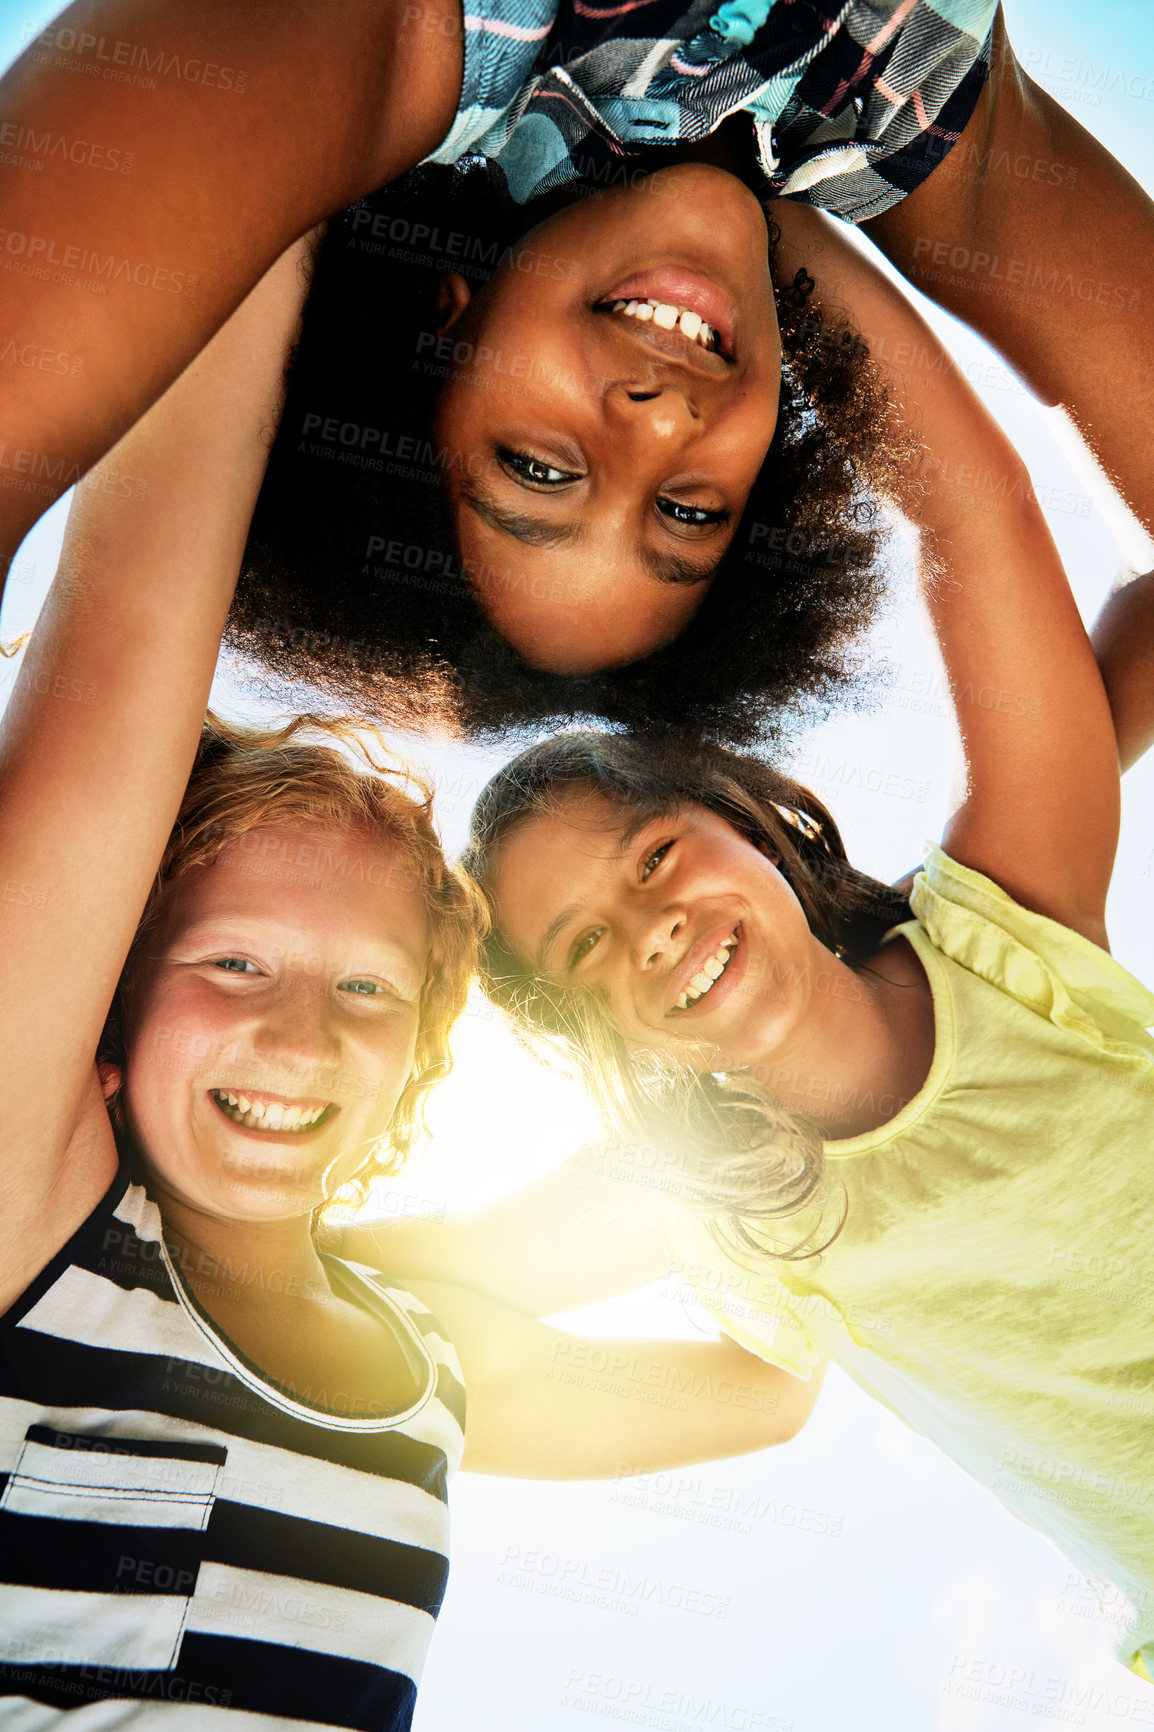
1034	235
1123	639
97	743
1036	733
229	129
546	1404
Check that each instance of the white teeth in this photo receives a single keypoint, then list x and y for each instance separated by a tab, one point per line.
668	318
711	969
268	1115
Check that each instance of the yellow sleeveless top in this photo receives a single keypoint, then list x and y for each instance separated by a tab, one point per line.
994	1282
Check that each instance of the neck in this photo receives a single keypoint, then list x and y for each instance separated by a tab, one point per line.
240	1264
732	147
862	1050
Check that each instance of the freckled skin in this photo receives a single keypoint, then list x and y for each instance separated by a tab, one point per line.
319	1003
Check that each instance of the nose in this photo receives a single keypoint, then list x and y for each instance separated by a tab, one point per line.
653	409
297	1034
657	936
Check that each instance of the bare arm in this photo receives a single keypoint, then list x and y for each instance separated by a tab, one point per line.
544	1404
244	125
568	1240
1034	235
99	737
1123	639
1036	732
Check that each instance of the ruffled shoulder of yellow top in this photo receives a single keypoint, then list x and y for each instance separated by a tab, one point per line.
1051	970
965	927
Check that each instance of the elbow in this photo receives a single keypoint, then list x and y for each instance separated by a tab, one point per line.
798	1401
791	1422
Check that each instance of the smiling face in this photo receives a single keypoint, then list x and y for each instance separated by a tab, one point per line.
692	933
272	1020
601	457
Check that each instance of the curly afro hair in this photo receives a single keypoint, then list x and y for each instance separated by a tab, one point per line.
352	583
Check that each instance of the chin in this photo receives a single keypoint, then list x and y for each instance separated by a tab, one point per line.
231	1193
261	1185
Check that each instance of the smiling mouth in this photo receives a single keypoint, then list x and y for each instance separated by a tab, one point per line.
666	316
265	1115
709	973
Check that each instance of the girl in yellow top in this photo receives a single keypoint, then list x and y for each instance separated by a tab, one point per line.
957	1108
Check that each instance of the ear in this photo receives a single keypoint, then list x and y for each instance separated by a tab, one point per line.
453	296
111	1077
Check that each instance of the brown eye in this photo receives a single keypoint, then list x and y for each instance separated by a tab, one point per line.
692	516
652	861
584	945
533	470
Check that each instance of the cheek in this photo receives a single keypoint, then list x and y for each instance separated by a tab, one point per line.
514	357
674	604
173	1034
379	1066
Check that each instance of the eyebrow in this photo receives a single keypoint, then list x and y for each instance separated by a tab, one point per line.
235	928
672	568
543	532
551	931
533	531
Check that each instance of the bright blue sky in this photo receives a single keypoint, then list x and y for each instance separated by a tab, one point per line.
880	1628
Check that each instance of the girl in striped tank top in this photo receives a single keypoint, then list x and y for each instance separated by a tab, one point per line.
223	1453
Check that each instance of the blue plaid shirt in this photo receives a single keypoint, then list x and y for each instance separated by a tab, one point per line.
853	105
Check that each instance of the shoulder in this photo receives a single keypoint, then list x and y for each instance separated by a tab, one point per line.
487	1337
1060	974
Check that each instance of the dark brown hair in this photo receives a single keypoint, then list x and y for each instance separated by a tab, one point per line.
745	1160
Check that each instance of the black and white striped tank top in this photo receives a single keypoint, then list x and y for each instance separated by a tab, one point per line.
181	1540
